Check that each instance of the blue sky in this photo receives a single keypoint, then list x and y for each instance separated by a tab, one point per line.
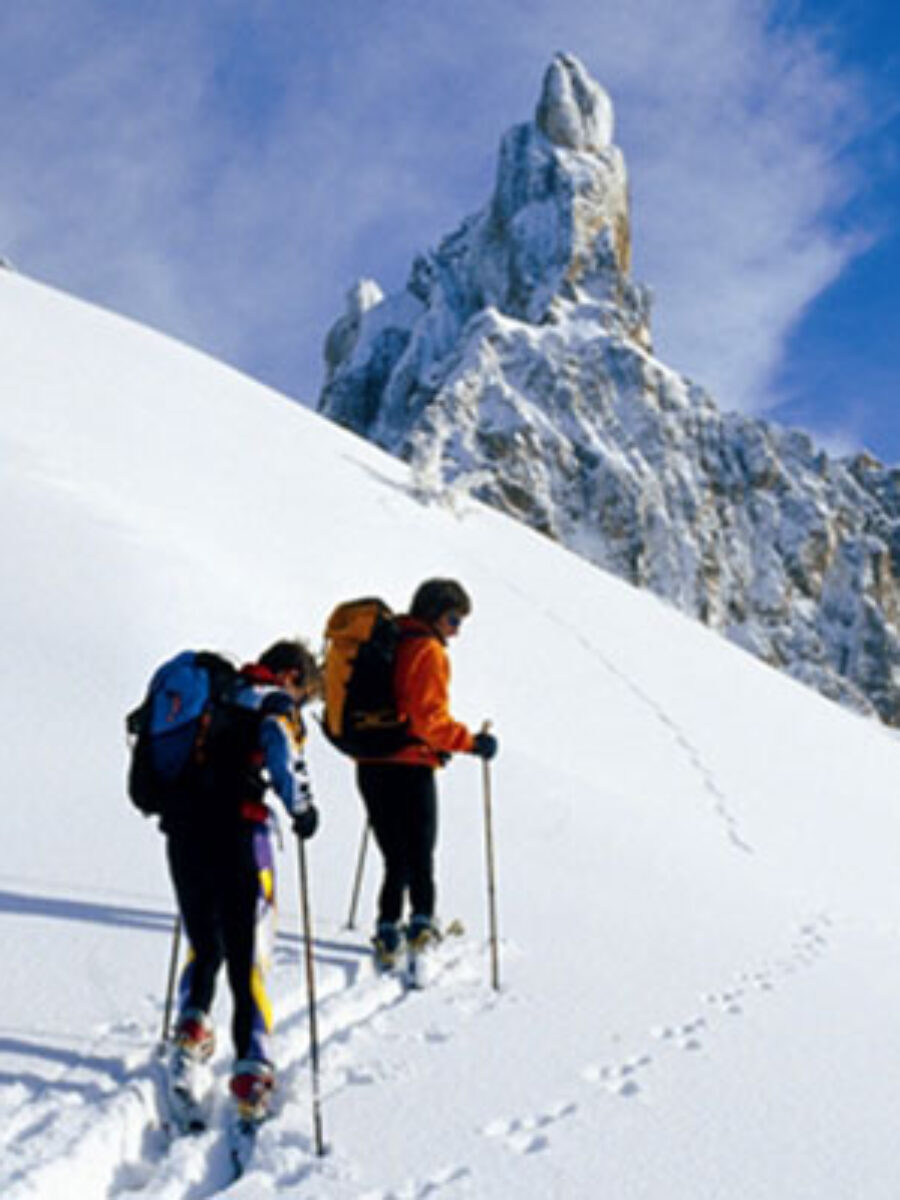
224	171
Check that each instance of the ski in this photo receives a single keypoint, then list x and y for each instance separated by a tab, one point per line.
385	963
187	1114
251	1105
241	1144
243	1127
421	959
417	973
408	963
186	1095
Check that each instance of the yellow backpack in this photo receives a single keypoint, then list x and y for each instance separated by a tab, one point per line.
361	717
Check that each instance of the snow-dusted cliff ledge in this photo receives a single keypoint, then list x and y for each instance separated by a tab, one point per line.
517	361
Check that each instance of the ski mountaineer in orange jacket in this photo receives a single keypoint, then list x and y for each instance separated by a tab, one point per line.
422	692
400	791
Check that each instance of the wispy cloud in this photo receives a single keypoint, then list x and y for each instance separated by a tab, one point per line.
226	171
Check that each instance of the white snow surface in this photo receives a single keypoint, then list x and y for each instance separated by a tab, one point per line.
697	881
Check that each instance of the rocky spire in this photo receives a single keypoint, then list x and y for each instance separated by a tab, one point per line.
574	111
559	223
554	236
515	366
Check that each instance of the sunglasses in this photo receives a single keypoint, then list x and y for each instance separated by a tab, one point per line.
453	619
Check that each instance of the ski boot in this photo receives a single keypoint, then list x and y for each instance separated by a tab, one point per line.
252	1084
386	947
421	937
193	1045
195	1038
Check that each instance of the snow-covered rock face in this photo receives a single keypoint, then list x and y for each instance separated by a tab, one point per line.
516	364
554	235
574	111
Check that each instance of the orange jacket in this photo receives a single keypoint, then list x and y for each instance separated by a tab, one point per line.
422	691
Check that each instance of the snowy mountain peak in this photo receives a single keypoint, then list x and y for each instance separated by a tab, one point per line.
557	229
515	365
574	111
553	241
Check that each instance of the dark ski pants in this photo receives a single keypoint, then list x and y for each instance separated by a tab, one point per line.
224	882
401	802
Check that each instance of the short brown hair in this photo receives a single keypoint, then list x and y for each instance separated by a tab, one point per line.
435	597
292	655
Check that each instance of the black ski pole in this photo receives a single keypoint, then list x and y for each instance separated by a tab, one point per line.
491	872
174	955
357	882
311	998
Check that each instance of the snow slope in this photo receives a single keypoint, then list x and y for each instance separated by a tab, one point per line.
697	877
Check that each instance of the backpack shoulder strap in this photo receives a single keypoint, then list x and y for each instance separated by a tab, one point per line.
223	674
277	703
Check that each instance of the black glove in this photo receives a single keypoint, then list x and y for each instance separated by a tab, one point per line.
485	745
306	821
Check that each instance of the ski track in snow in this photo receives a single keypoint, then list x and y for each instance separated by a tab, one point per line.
95	1129
631	1077
100	1116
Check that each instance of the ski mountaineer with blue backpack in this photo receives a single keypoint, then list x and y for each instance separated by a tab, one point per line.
220	856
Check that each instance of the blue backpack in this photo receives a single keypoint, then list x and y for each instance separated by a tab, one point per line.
174	731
